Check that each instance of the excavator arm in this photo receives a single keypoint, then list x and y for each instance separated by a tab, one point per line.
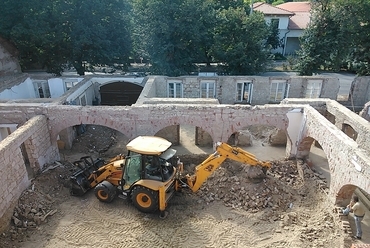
223	152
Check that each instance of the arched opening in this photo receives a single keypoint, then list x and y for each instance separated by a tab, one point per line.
119	94
91	140
349	131
263	141
188	139
318	161
312	152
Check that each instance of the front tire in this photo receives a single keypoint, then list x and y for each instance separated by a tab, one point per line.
144	199
105	191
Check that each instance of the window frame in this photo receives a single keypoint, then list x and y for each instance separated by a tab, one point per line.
310	91
207	88
177	89
44	87
284	92
68	87
240	94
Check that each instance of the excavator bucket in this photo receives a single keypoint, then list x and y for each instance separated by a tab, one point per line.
80	183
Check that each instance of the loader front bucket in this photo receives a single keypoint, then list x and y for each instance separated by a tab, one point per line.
80	180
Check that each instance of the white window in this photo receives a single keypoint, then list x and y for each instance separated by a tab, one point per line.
313	89
244	92
279	90
174	90
207	89
70	84
42	89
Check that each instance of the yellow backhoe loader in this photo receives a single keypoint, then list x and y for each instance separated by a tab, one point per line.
150	173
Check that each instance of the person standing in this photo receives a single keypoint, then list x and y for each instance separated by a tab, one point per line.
358	210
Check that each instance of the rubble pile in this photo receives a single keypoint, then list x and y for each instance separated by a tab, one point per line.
40	201
284	183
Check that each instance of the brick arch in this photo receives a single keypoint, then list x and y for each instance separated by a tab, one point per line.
304	147
80	115
179	121
220	122
345	193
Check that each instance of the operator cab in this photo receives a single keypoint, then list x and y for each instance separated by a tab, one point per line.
148	158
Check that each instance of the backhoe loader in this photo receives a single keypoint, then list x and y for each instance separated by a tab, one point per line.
150	173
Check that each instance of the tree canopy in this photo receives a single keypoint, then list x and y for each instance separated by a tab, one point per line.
173	36
337	38
54	33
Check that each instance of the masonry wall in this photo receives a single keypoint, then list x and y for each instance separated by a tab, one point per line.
359	93
226	87
34	134
348	160
365	112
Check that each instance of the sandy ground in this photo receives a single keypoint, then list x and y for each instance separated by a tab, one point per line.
298	216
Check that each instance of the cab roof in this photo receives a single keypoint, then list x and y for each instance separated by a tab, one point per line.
150	145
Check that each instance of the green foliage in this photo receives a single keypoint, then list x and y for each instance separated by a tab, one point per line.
53	33
279	56
173	35
338	34
274	3
239	42
273	39
176	34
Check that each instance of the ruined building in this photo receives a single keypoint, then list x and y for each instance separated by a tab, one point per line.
39	113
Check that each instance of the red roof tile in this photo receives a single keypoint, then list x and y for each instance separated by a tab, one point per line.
299	21
296	6
268	9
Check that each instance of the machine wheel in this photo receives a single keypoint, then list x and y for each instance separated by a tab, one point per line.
144	199
105	191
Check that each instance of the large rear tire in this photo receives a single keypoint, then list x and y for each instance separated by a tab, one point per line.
144	199
105	191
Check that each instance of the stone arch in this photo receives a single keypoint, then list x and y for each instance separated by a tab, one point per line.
349	131
196	121
345	193
198	135
96	139
78	117
265	133
304	147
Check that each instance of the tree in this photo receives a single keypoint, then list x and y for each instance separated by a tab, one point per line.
273	40
54	33
174	33
240	42
337	35
356	29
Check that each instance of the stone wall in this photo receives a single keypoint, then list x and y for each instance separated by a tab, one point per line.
34	136
365	112
348	159
226	87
